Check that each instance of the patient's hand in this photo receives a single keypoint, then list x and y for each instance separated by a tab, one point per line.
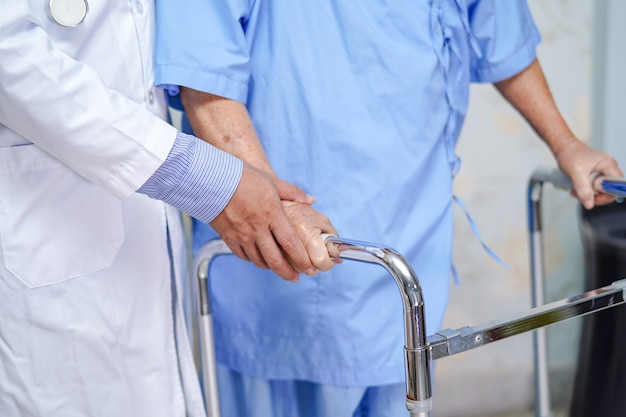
310	224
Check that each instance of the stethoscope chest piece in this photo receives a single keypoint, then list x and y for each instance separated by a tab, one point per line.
68	13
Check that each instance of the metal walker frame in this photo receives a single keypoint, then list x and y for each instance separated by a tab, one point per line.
419	348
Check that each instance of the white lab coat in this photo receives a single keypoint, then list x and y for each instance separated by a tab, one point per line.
90	322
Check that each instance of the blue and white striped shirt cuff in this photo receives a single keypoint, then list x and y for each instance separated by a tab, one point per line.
196	178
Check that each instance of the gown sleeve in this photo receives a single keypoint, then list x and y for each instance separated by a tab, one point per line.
202	45
506	36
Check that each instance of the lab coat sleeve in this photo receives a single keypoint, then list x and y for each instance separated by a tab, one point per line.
202	45
64	107
506	37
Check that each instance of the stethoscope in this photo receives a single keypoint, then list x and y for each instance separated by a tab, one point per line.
68	13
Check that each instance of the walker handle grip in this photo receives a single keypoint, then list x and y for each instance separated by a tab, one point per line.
600	183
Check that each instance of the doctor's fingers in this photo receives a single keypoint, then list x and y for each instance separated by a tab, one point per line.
269	257
293	254
254	226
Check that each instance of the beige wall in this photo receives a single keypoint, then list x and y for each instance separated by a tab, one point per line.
499	153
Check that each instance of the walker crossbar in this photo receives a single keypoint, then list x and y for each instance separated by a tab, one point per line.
450	342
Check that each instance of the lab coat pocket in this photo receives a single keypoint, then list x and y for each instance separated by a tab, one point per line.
54	224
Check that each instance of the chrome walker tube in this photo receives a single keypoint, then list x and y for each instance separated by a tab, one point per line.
537	180
417	360
416	351
202	306
535	189
419	349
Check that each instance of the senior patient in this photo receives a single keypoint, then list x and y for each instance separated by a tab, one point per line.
359	103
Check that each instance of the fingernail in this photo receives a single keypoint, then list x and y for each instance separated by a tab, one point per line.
311	271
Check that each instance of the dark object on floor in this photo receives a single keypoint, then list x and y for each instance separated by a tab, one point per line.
600	384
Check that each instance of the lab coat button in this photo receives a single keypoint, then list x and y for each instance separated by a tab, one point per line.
151	97
139	7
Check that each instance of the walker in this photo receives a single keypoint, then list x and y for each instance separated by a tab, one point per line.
419	348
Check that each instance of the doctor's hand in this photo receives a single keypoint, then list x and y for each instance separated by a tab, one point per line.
255	227
579	161
310	224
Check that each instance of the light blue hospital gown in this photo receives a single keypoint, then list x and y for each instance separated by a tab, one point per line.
360	103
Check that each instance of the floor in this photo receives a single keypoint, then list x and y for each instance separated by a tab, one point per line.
555	413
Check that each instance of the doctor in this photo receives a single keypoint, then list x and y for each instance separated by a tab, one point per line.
91	271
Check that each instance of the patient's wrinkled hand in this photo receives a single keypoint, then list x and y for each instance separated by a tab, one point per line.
310	224
580	162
